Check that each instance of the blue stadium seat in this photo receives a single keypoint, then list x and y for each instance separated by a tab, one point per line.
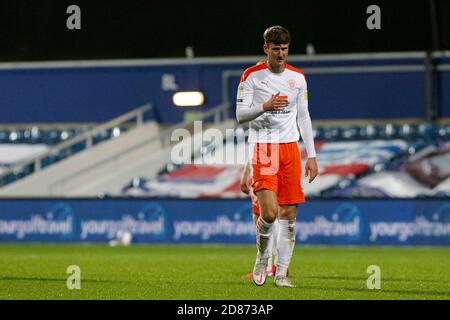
47	161
351	133
4	136
101	136
51	160
78	147
67	134
444	132
16	136
27	135
7	179
137	182
81	130
333	134
416	147
319	133
428	131
33	135
391	131
105	195
53	137
346	182
370	132
409	131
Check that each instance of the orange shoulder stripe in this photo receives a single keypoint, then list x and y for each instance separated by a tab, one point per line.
288	66
248	71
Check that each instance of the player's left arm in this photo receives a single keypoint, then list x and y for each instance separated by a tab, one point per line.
305	126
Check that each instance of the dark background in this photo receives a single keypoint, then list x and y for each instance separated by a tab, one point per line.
36	30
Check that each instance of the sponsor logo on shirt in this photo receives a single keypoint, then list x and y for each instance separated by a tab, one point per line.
279	112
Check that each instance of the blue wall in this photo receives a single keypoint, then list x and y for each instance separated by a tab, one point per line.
81	94
331	222
366	95
97	94
445	97
443	87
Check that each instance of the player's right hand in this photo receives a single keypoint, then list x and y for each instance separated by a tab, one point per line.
311	169
275	103
244	186
253	197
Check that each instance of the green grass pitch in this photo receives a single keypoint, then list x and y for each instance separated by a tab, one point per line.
217	272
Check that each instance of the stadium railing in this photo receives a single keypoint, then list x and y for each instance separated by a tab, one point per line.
84	140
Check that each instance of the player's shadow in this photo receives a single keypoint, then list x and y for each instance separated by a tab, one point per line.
56	279
365	290
381	291
412	292
365	279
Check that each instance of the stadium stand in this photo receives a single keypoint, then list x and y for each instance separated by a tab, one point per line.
27	151
143	148
358	161
378	132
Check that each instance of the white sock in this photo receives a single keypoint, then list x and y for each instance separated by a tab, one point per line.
263	232
275	231
285	245
270	249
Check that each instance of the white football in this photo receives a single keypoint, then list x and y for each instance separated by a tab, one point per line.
125	238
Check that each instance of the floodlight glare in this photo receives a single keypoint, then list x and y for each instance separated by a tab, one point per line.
188	99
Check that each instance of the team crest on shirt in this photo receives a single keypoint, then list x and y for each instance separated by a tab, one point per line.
291	83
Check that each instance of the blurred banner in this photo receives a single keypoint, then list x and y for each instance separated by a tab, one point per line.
329	222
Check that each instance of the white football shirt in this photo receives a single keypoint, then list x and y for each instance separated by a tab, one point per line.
257	86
